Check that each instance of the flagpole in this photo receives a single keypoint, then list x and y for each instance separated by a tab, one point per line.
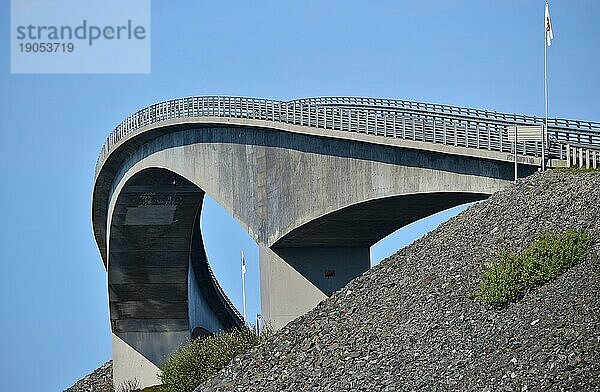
545	127
244	286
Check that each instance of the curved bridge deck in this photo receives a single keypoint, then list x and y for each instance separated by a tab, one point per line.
417	121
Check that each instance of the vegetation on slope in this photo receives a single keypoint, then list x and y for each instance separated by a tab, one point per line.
197	361
547	258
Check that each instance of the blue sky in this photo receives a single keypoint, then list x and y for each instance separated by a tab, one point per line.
53	297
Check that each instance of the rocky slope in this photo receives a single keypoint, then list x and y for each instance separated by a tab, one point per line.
100	380
408	323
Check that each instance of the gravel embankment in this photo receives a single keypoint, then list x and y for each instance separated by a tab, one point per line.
100	380
407	324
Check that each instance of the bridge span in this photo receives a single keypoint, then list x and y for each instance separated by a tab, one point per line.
315	181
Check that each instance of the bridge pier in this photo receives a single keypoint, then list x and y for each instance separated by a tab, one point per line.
161	292
295	279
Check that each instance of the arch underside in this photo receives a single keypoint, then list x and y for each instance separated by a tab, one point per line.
161	287
364	224
331	250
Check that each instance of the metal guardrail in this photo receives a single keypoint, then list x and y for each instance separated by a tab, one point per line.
418	121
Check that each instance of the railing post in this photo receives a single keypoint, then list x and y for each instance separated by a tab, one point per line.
455	134
349	114
444	130
587	158
403	128
294	113
334	115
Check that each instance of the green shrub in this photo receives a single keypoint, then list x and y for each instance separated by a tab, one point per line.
196	362
502	281
553	254
543	261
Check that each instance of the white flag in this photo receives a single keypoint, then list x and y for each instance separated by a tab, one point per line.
243	264
548	24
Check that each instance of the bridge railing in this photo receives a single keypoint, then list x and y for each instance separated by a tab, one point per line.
224	296
582	156
454	111
424	122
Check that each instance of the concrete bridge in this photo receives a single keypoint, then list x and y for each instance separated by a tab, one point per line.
316	182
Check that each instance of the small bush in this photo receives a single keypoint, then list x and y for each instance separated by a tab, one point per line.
501	283
552	254
543	261
202	358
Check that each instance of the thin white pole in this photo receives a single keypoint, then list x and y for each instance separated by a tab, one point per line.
515	147
545	127
244	286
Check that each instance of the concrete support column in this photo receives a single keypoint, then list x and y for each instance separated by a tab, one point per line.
129	365
294	280
155	345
